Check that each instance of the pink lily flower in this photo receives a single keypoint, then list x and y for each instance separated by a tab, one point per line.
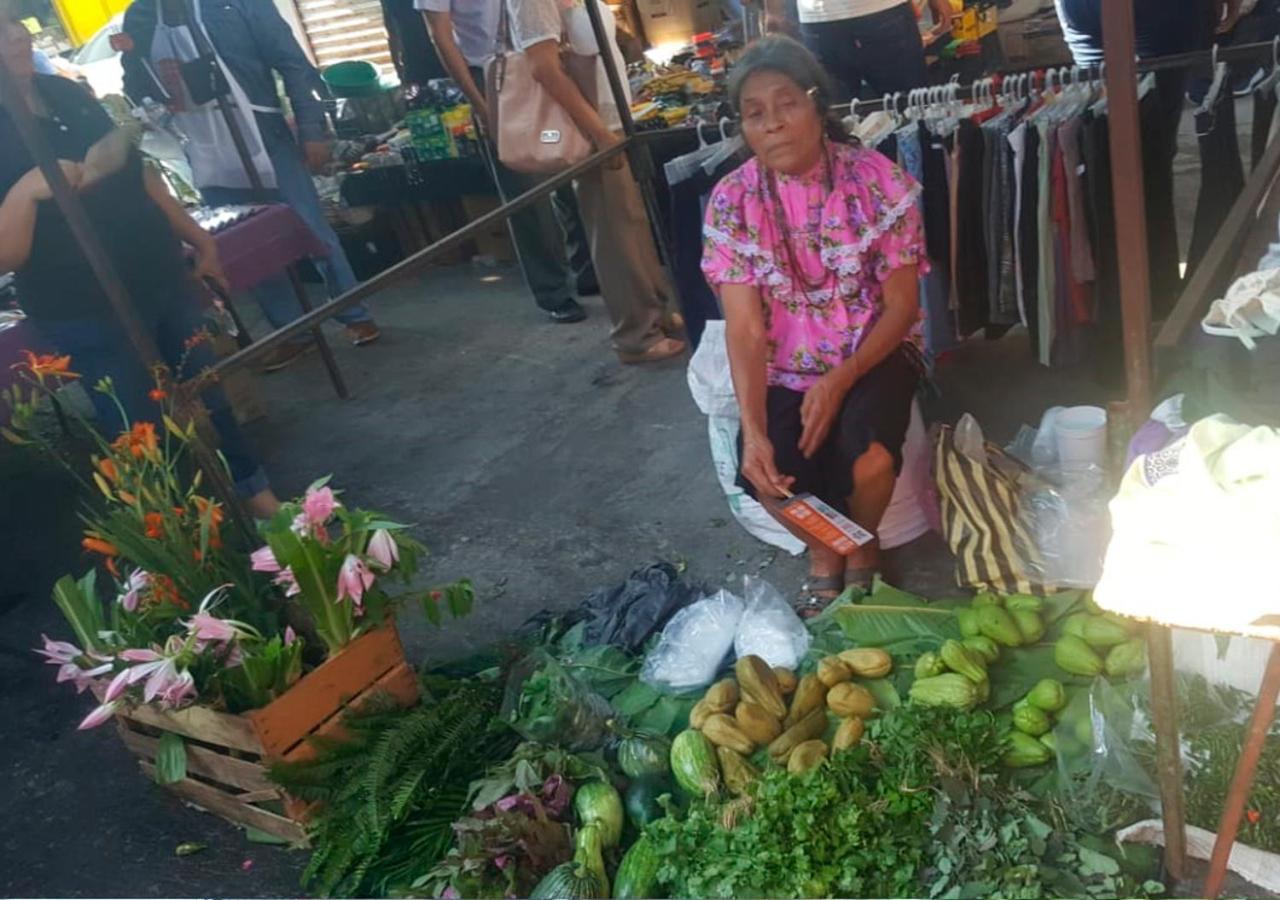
138	582
264	560
383	550
287	580
317	509
354	579
289	636
205	626
100	716
68	658
59	652
179	689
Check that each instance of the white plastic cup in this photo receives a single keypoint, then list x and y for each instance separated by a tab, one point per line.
1080	433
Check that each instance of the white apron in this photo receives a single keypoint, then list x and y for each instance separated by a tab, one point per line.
209	147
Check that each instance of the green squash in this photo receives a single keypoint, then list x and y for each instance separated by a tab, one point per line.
597	803
641	801
637	874
644	755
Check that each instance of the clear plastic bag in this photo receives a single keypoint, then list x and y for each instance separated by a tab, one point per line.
1067	517
694	644
1101	777
770	628
544	702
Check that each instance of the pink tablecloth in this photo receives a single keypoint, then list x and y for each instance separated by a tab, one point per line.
265	244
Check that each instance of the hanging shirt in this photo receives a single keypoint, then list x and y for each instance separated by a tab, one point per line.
856	234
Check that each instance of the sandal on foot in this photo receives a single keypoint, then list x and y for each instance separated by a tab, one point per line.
811	602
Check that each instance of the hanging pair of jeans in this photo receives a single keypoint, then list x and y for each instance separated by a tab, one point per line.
940	324
971	250
1221	173
698	303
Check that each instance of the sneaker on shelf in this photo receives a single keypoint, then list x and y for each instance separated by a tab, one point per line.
362	333
286	355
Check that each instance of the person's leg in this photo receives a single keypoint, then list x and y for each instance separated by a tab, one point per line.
832	43
576	245
539	244
296	189
887	52
632	283
176	338
873	480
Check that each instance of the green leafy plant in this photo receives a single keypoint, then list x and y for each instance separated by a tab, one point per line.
390	791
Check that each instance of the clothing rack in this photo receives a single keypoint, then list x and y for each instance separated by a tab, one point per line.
954	91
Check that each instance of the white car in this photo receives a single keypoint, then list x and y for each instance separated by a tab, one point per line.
99	62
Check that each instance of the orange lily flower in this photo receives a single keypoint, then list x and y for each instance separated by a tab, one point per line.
155	525
108	469
98	545
158	394
46	365
140	441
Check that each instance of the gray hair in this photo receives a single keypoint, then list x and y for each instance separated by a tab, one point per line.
788	57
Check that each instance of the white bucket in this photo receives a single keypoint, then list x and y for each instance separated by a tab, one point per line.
1080	433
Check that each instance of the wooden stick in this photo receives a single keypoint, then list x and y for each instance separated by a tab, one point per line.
1242	781
1164	717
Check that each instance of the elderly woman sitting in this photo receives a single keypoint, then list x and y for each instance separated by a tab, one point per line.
814	246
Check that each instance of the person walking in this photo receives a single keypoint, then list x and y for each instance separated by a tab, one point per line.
872	47
465	34
632	281
251	44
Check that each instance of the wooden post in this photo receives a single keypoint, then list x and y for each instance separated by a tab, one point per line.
1242	781
1130	202
1164	718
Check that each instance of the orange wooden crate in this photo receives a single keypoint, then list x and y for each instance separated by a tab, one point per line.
227	754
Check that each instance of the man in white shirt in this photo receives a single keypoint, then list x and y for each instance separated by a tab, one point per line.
465	34
872	47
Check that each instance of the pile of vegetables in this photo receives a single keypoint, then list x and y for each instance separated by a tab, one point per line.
890	762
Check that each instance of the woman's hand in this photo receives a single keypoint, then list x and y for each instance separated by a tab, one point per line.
35	186
209	267
759	468
819	410
605	140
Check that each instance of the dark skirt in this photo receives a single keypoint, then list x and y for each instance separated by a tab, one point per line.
877	410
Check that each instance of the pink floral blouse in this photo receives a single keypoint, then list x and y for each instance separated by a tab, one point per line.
847	242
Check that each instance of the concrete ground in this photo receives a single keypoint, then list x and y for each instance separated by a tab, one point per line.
528	459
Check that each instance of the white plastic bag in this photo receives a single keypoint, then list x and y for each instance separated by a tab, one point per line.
769	628
694	644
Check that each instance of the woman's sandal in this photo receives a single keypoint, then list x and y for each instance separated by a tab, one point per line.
811	602
663	348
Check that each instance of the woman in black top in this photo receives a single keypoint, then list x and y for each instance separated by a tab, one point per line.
142	228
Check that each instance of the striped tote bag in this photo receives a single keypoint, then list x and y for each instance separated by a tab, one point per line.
981	519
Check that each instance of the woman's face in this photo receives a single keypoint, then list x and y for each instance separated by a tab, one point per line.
15	47
781	123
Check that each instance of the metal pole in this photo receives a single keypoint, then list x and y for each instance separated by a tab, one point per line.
1164	719
407	267
641	157
1242	781
1130	203
104	270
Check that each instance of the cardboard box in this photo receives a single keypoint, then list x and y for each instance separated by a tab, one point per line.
676	21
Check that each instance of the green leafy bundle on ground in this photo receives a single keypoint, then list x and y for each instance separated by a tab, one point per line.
390	791
921	808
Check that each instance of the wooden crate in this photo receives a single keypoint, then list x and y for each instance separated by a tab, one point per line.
227	754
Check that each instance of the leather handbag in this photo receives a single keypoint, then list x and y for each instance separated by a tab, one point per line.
533	133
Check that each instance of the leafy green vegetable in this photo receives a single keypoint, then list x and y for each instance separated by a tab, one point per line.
392	788
528	769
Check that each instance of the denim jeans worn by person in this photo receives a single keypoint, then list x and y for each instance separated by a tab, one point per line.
296	189
99	349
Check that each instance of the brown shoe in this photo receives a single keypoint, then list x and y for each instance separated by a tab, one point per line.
362	333
286	355
664	348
